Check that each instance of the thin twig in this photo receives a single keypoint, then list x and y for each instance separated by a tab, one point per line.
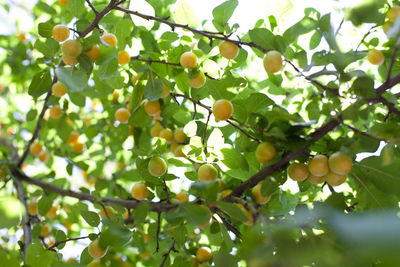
205	128
155	61
166	191
158	231
362	133
65	241
243	131
165	256
92	7
227	224
393	59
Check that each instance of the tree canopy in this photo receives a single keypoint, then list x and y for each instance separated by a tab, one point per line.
150	137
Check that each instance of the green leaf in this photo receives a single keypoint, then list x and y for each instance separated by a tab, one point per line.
40	84
267	40
90	217
8	259
302	27
44	204
364	87
60	236
75	80
76	7
196	214
140	213
154	89
38	256
85	257
31	115
223	13
315	39
233	159
10	210
116	235
45	29
232	210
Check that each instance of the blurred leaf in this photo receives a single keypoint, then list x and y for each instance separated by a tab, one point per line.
40	84
223	13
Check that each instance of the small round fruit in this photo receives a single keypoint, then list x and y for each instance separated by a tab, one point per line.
179	135
52	212
122	115
318	165
73	137
265	152
181	197
43	156
316	179
298	171
340	163
93	53
63	2
71	48
95	251
59	89
247	213
35	148
55	112
228	50
178	151
165	91
123	57
152	108
32	209
156	129
78	147
207	172
109	39
139	191
272	61
167	134
203	254
375	57
188	60
198	80
69	61
157	166
393	13
335	179
45	231
258	197
222	109
107	212
60	33
224	194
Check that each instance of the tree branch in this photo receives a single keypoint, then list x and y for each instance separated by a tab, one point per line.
65	241
155	61
165	256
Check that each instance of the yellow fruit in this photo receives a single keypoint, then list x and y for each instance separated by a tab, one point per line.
157	166
32	209
272	61
340	163
108	214
222	109
156	129
318	165
59	89
393	13
188	60
146	238
179	135
145	255
63	2
44	156
335	179
122	115
207	172
71	48
71	260
265	152
316	179
203	254
55	112
35	148
70	61
109	39
52	212
198	80
165	91
298	171
45	231
60	33
228	50
21	36
93	53
258	197
224	193
152	108
73	137
68	225
78	147
95	263
95	251
166	134
181	197
115	96
375	57
139	191
247	213
178	151
123	57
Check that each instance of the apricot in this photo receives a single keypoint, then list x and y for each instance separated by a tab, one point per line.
340	163
181	197
203	254
224	193
32	209
60	33
35	148
188	60
228	50
197	80
52	212
107	212
73	137
178	151
55	112
272	61
78	147
93	53
139	191
298	171
95	251
109	39
45	231
156	129
59	89
375	57
179	135
122	115
222	109
265	152
393	13
257	195
247	213
69	61
152	108
335	179
318	165
44	156
63	2
207	172
71	48
167	134
123	57
165	91
95	263
157	166
316	179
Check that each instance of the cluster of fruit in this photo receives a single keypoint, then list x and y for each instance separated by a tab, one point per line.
36	149
321	169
